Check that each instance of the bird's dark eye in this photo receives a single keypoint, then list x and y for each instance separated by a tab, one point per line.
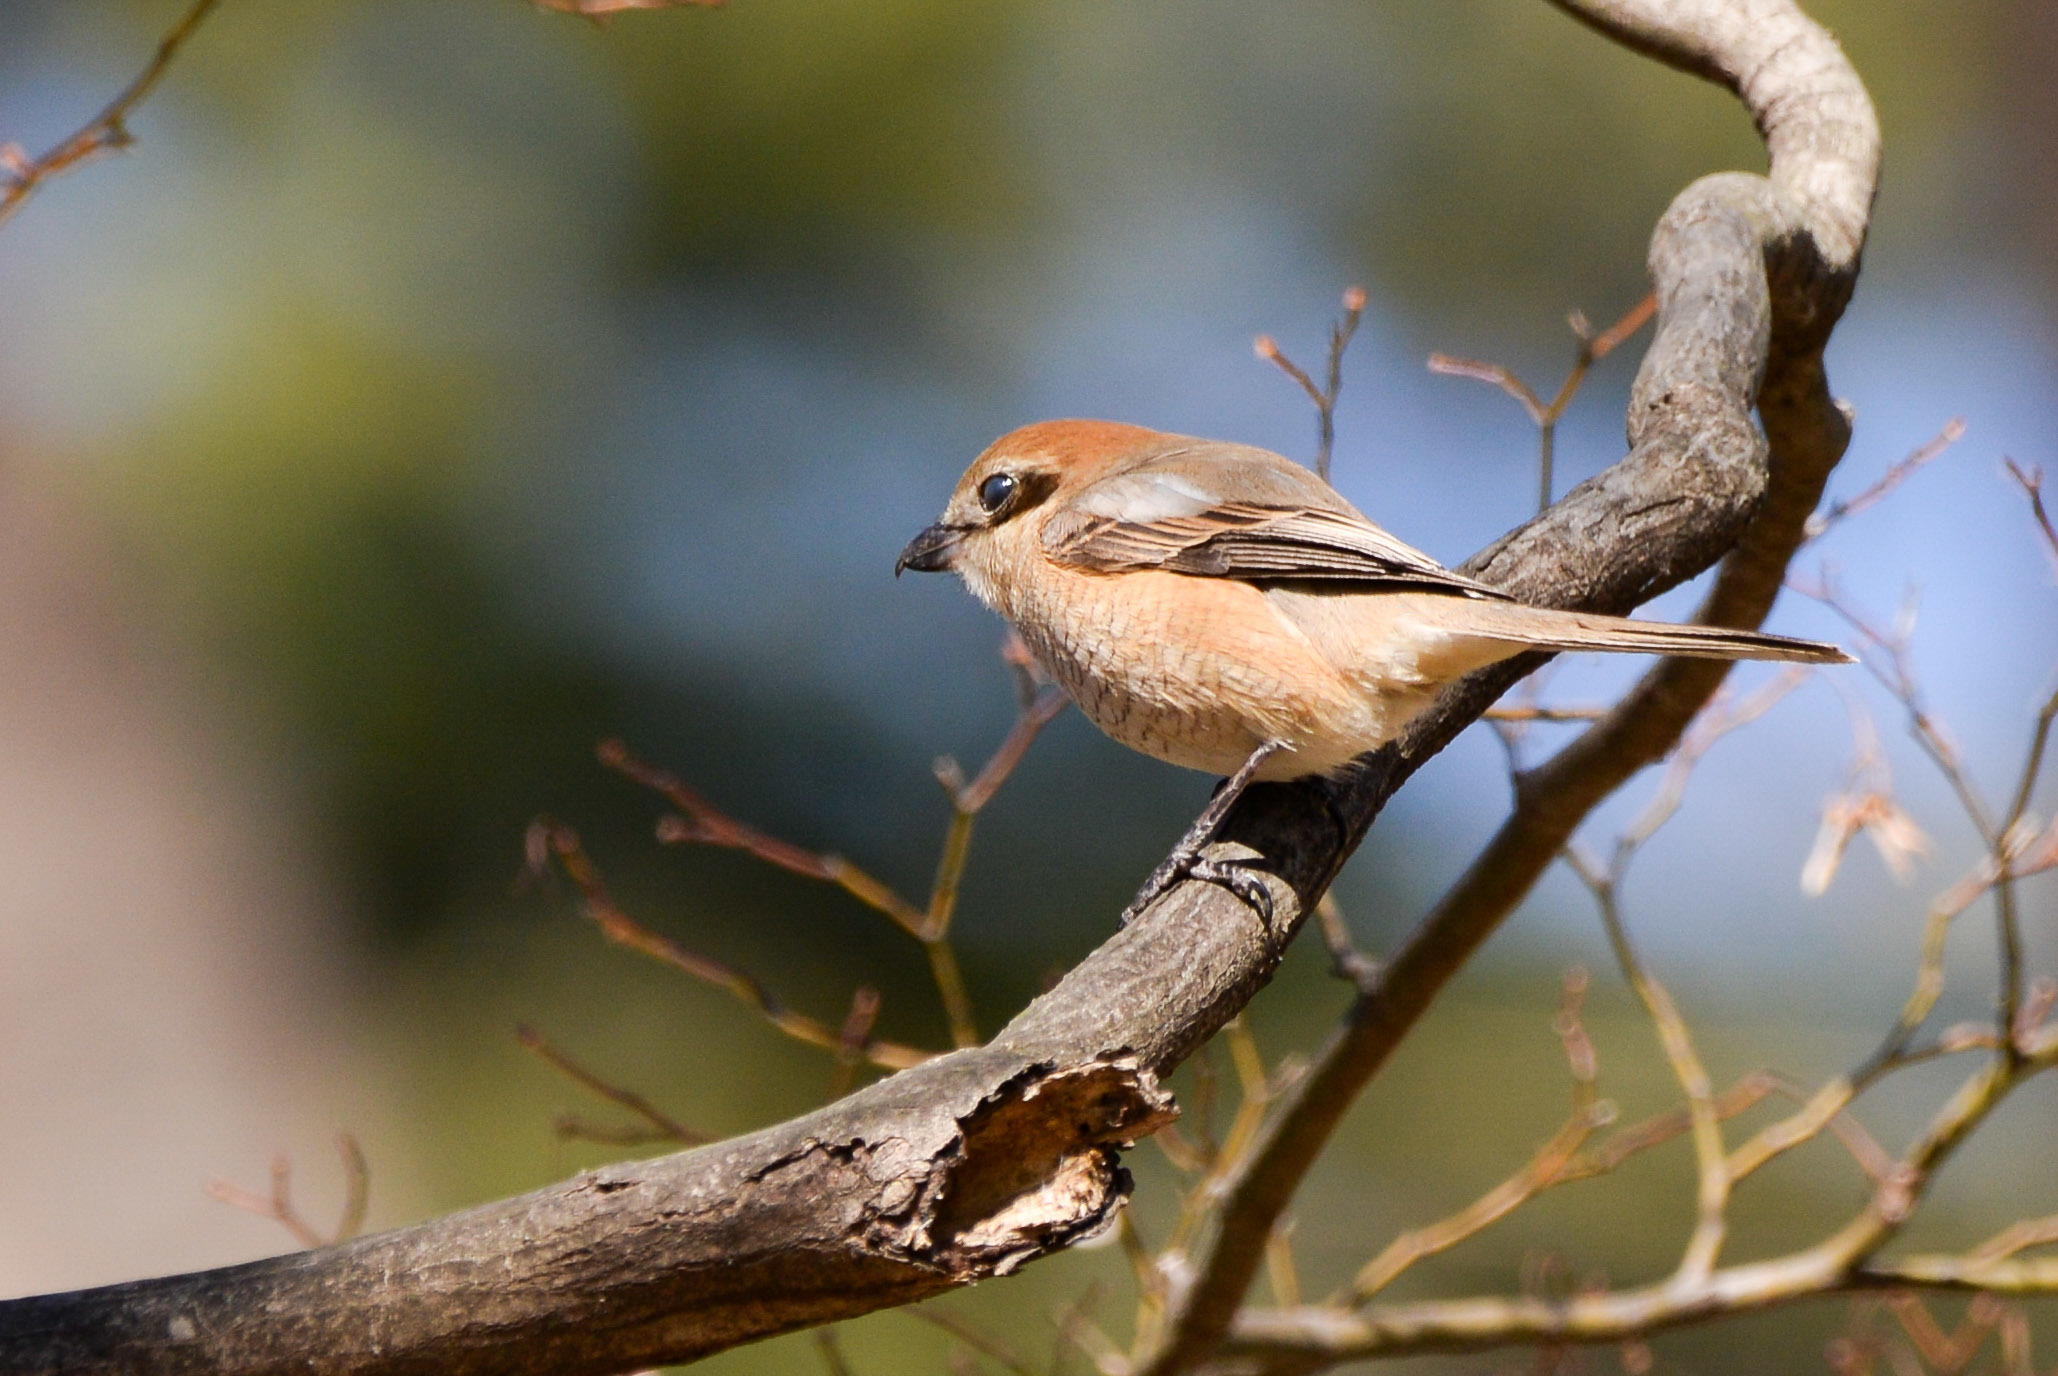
995	491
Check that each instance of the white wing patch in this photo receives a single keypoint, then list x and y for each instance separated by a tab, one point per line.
1142	498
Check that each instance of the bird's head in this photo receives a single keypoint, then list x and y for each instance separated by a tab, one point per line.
997	509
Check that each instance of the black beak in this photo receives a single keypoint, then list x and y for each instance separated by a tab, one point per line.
930	552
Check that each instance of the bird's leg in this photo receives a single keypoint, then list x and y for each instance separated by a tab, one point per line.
1186	860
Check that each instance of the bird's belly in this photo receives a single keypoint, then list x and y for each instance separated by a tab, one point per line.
1200	672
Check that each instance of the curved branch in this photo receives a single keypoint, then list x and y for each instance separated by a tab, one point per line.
969	1165
1751	277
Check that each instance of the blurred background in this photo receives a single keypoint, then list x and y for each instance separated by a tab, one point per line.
443	385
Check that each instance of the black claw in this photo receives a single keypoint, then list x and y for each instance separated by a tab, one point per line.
1191	864
1239	880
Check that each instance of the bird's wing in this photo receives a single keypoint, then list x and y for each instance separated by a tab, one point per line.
1287	531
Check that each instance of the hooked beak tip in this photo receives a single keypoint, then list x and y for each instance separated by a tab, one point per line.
933	551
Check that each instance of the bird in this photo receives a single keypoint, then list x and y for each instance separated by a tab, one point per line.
1221	607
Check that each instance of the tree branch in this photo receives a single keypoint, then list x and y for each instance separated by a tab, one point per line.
1750	279
1281	1342
106	132
970	1164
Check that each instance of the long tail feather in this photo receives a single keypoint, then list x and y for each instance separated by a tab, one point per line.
1547	629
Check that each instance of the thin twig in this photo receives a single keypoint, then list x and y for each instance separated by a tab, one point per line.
1076	1326
1036	714
1450	365
700	822
971	1336
1841	1263
1187	1156
1348	962
1546	414
1281	1271
663	1128
1711	1224
278	1204
1950	1352
1826	1108
1929	972
1524	712
1893	668
857	1031
551	838
1324	396
2032	765
1920	457
1041	705
1723	717
1739	1098
1257	1090
1543	1169
2016	1237
600	11
1144	1270
106	132
831	1352
2031	480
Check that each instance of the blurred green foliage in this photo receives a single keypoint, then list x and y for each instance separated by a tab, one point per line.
439	216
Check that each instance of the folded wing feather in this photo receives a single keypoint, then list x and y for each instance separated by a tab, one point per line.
1149	518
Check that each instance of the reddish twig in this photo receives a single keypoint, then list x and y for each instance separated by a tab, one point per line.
1040	711
700	822
600	11
1953	430
1324	396
2031	481
1528	712
1546	414
548	838
971	1336
1950	1353
857	1031
106	132
278	1205
1543	1169
662	1127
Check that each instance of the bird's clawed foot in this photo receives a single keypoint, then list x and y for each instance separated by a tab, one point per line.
1187	860
1241	880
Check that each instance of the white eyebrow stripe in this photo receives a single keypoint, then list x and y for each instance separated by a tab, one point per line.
1145	497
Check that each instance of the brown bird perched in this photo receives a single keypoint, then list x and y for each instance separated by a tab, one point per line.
1221	607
